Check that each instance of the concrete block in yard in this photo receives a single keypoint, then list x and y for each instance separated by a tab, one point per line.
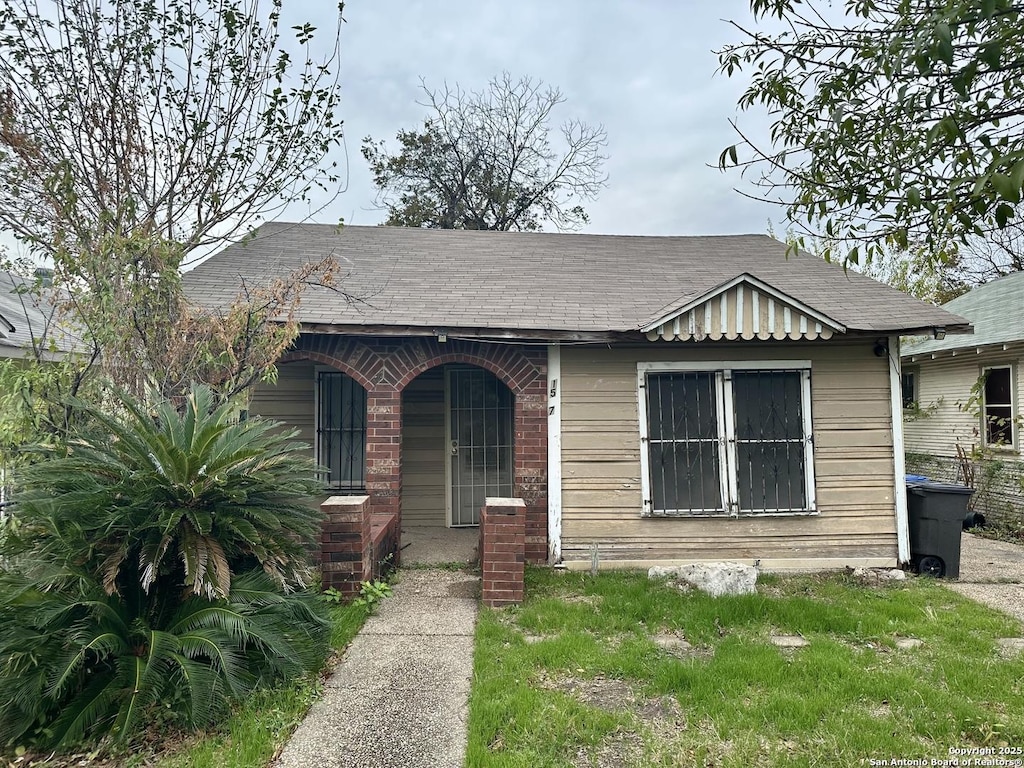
716	579
877	575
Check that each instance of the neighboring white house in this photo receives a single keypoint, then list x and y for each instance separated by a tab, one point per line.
964	396
28	321
29	325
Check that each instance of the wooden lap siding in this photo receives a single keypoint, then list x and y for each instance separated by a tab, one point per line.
853	455
943	389
384	367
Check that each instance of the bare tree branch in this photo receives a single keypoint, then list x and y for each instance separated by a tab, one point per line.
484	160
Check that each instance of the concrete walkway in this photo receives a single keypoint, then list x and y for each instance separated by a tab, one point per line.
399	696
992	572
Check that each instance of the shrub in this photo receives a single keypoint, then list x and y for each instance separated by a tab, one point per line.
157	566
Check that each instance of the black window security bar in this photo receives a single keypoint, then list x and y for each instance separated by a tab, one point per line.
728	442
684	444
341	430
770	441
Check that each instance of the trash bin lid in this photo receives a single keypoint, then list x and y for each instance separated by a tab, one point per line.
931	486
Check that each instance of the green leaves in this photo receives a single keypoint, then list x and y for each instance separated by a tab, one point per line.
897	122
159	561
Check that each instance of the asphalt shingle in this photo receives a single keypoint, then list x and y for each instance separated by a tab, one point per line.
995	309
540	281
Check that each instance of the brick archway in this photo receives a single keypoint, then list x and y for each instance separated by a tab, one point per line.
385	366
337	363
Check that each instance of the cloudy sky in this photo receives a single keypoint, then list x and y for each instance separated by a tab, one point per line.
645	69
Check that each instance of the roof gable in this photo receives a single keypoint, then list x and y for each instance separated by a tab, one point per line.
743	308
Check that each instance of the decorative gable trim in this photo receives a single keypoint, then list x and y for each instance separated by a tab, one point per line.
743	308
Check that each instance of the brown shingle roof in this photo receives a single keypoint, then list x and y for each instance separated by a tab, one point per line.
541	281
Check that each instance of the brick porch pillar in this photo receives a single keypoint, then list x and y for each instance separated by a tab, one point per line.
531	465
345	547
384	450
502	551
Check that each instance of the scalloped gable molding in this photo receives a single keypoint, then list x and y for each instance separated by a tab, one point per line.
743	308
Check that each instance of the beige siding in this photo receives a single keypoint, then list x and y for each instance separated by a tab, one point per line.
423	450
292	400
601	490
944	387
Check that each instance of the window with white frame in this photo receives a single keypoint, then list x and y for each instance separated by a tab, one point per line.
726	440
908	387
997	406
341	430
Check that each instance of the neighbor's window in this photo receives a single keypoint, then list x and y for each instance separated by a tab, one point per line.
341	430
998	406
726	442
908	381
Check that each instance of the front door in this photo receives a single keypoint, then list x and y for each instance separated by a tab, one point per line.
479	442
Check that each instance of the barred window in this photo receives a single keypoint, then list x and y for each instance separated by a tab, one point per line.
341	430
734	441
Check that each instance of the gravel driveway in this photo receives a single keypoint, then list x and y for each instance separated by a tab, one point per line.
992	572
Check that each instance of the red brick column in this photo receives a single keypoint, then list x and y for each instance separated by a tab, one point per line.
384	450
502	551
531	463
345	543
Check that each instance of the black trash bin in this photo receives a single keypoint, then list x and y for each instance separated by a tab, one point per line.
936	514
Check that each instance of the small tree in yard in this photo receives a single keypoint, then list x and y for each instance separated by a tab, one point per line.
134	135
157	555
485	160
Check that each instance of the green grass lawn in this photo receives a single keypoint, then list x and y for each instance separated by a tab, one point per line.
592	671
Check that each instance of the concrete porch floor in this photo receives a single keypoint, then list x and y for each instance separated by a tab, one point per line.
433	545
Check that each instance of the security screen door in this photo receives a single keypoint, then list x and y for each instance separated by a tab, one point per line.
479	442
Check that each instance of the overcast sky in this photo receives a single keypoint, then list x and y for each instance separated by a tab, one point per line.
644	69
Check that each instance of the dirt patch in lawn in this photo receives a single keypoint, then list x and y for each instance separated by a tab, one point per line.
605	693
621	748
618	696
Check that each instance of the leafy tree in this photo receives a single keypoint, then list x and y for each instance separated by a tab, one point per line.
897	124
159	563
136	136
184	119
485	160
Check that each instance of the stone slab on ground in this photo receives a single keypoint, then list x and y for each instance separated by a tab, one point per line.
908	643
789	641
400	694
716	579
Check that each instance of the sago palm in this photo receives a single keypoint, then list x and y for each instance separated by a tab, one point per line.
160	560
79	663
180	495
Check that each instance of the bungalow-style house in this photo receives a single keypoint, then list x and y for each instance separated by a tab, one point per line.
653	400
963	398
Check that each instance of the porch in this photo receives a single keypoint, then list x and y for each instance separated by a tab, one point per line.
427	429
